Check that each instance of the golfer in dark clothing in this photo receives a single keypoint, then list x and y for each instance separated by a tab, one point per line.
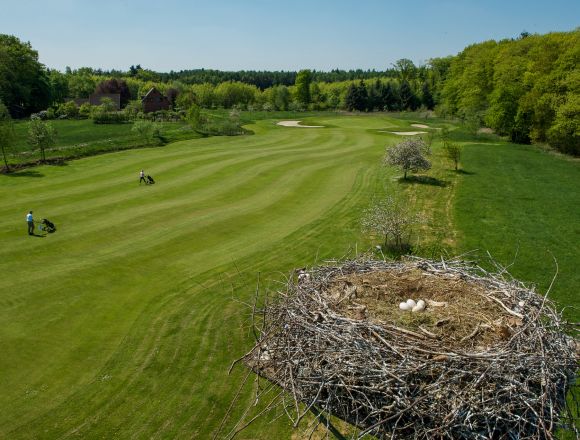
30	222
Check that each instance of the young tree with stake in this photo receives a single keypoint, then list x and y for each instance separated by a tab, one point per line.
453	152
41	135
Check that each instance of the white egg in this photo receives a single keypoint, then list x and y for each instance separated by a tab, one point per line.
419	307
405	306
411	302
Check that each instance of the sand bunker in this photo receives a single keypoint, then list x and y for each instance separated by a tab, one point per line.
297	124
419	125
404	133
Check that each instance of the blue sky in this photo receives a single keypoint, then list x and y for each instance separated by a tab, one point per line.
166	35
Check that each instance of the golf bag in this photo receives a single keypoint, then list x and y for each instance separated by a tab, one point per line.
48	226
150	180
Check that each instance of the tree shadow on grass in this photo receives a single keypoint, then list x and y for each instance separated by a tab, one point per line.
464	172
25	173
423	180
58	161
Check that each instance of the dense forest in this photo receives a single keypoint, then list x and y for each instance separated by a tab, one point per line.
527	89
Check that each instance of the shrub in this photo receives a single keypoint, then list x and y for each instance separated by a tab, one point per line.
85	110
100	117
146	130
67	110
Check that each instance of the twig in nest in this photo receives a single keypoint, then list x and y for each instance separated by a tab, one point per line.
393	382
472	334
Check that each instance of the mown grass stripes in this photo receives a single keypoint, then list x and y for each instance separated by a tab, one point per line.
123	323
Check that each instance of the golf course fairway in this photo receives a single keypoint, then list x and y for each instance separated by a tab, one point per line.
124	322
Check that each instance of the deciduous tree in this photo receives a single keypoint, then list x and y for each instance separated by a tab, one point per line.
7	134
390	218
303	80
41	135
146	130
408	155
453	152
24	82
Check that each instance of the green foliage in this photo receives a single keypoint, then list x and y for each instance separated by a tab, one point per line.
58	86
67	110
133	108
24	81
357	97
148	131
218	124
453	152
444	134
518	87
228	94
194	117
204	95
407	96
85	110
186	99
7	135
106	114
279	97
81	85
303	81
427	97
472	122
406	69
81	138
565	132
41	135
390	97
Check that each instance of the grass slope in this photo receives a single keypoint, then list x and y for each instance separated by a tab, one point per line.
79	138
522	205
123	323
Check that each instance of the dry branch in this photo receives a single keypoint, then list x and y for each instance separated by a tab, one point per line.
394	382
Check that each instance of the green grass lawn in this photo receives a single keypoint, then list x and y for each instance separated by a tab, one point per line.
78	138
124	322
522	205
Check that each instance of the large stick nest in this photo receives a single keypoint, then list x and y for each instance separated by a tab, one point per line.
487	359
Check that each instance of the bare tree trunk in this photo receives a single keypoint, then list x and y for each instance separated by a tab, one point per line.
5	160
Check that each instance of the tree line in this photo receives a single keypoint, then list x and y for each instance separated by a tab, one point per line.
526	88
